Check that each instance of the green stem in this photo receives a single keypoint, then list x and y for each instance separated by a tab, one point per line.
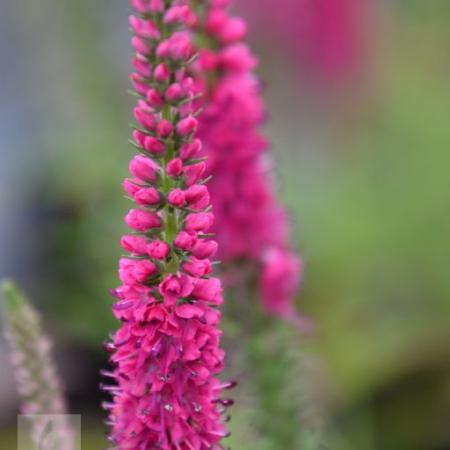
171	219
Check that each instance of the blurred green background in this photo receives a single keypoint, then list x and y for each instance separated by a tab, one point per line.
362	164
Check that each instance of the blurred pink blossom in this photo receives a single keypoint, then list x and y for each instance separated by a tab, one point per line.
329	38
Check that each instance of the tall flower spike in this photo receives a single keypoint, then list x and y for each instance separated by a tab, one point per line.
251	225
37	380
166	354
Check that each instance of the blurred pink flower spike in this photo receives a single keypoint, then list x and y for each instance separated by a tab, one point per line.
279	283
251	225
329	38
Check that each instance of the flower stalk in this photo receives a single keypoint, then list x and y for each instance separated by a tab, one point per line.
251	226
166	353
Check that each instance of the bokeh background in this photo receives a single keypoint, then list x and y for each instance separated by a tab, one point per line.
358	97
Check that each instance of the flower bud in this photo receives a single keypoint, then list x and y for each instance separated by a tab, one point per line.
144	28
194	172
162	73
164	128
147	196
190	150
134	244
141	46
148	6
130	186
185	241
177	198
158	249
135	271
204	249
141	220
187	126
140	86
199	222
174	287
234	30
197	268
198	197
153	145
144	116
154	98
143	168
177	14
139	137
207	289
208	60
142	66
174	92
175	167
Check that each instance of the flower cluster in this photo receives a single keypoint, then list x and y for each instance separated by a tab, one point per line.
166	353
251	226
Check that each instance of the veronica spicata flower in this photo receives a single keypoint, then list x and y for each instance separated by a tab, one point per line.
166	353
251	225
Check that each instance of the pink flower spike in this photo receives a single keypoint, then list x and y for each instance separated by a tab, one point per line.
229	128
175	167
177	198
143	168
141	220
166	353
158	249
